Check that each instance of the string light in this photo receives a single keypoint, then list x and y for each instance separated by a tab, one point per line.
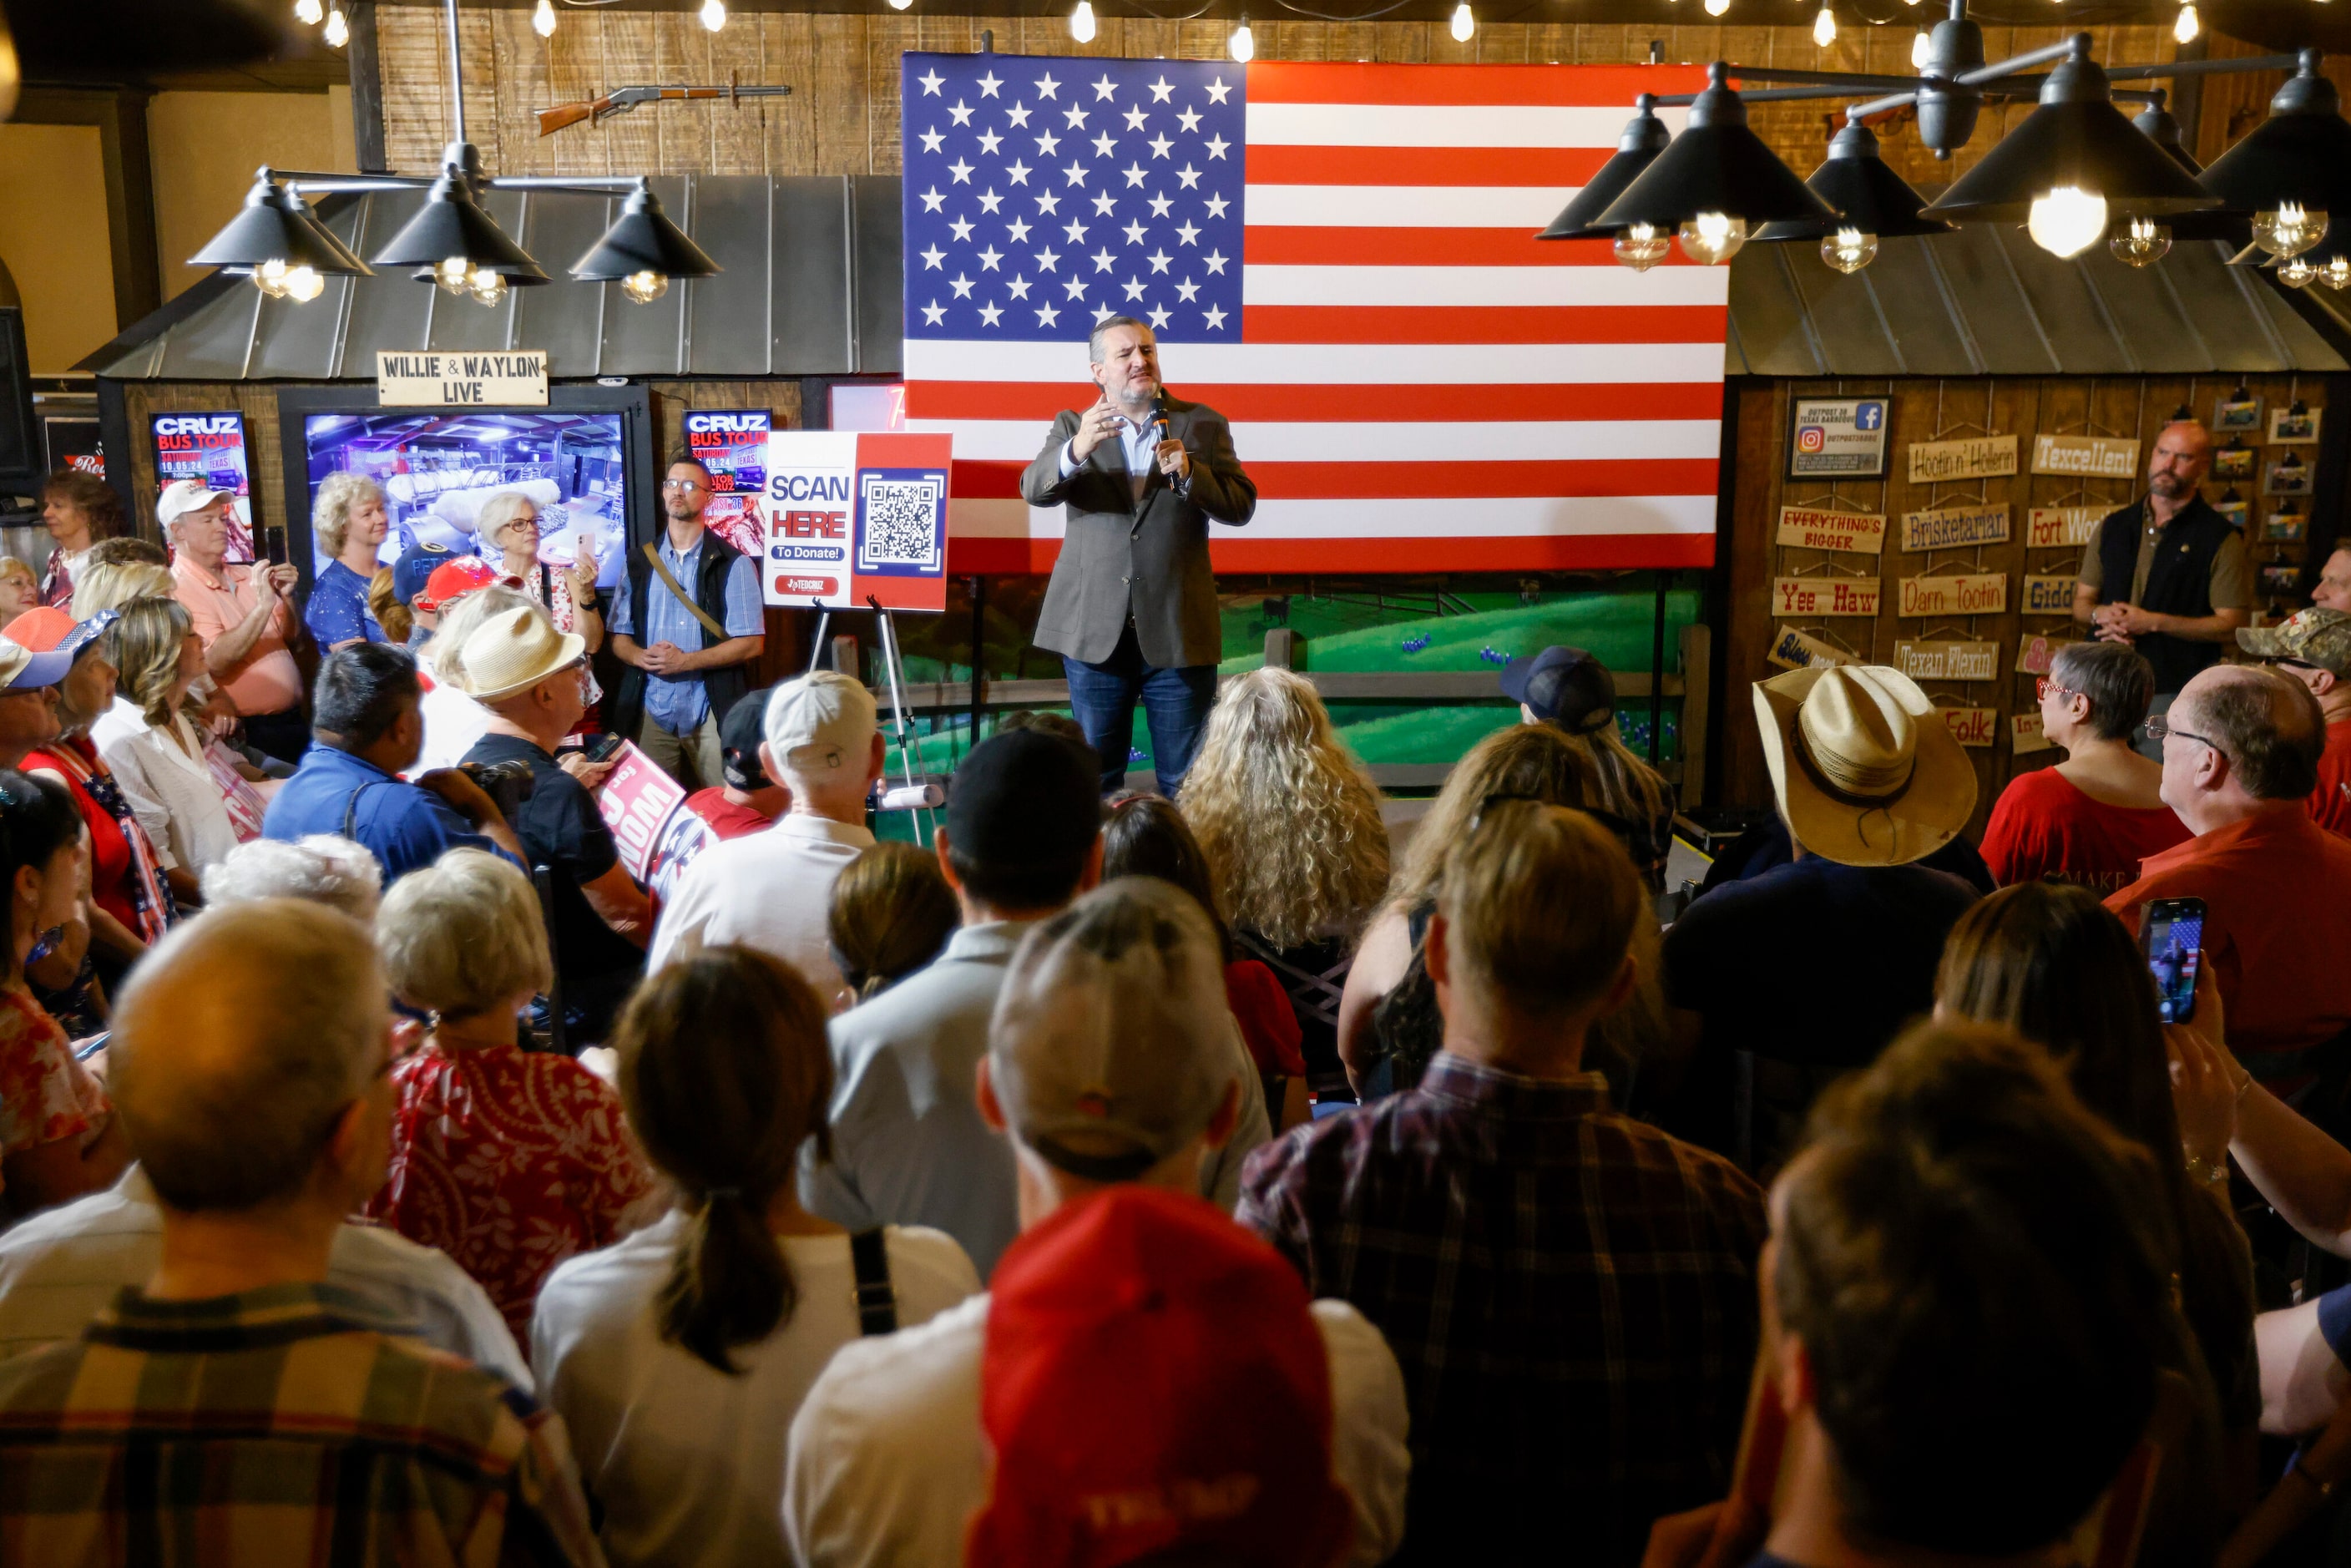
2187	27
1242	44
713	14
339	32
1464	24
899	4
1082	22
542	21
1918	49
310	13
1717	7
1824	27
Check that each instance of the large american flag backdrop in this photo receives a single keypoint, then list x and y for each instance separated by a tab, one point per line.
1339	258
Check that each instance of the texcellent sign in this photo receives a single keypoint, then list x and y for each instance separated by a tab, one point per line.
1954	528
461	379
1971	726
2086	456
1815	596
1941	661
1971	457
1968	593
2055	528
1857	533
1841	437
1793	650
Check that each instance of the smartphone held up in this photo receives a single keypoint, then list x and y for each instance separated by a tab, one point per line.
2171	934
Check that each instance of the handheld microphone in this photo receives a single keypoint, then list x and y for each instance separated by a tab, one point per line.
1158	417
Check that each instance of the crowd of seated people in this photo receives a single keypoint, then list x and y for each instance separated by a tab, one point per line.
1214	1179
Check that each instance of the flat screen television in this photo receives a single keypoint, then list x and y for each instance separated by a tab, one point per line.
585	460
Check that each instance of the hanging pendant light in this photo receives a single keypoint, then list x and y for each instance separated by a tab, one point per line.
1716	183
2073	166
644	250
1919	51
713	15
452	239
310	13
339	31
542	20
1824	27
1644	137
2186	25
2160	126
1464	24
2292	169
1242	44
1641	246
2140	242
1872	201
280	243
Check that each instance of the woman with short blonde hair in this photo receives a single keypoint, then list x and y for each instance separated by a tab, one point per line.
510	1161
349	523
1290	824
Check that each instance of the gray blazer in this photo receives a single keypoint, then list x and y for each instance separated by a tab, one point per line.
1149	559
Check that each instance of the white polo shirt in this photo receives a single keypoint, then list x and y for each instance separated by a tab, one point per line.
770	889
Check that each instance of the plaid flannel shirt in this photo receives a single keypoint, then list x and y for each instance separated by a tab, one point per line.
287	1427
1570	1294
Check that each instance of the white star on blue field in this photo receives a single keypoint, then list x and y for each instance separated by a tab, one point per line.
1043	195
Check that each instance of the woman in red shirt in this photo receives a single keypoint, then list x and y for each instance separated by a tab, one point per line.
2091	819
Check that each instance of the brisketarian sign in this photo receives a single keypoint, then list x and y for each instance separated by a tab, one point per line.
2085	456
210	449
1948	661
468	380
1970	593
1971	457
1840	437
1955	528
1803	598
856	515
733	445
1857	533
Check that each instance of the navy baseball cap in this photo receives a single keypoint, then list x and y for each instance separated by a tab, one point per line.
739	741
414	567
1565	686
1024	798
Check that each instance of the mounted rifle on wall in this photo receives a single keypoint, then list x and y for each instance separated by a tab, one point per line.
621	100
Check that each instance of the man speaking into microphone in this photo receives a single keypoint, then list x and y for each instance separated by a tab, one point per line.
1132	607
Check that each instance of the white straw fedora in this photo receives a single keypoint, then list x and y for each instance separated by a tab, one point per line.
517	650
1864	769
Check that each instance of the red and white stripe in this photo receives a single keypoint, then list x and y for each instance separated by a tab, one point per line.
1420	384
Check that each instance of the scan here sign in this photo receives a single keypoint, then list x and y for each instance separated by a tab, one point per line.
851	515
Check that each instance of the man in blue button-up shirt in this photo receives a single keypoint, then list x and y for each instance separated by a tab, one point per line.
367	729
678	730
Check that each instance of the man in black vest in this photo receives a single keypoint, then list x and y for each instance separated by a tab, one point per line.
2167	574
686	620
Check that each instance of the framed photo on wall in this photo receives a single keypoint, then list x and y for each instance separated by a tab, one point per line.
2290	428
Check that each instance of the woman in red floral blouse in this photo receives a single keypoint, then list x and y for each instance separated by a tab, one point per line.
510	1161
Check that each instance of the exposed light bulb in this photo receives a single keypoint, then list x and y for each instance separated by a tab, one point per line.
713	14
1464	24
2336	274
1849	249
2289	230
542	21
303	285
339	32
1825	28
1082	22
1242	44
2068	221
2142	242
1918	48
1717	7
1713	238
2186	26
899	4
487	287
310	13
2295	272
644	288
1641	248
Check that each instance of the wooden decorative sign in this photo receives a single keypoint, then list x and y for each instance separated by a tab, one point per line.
1942	661
461	379
1955	528
2034	650
2085	456
1971	726
1973	457
1858	533
1792	650
1805	597
1968	593
2024	733
2059	528
2049	595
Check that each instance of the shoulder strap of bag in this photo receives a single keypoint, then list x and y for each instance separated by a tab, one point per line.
877	1299
351	807
652	554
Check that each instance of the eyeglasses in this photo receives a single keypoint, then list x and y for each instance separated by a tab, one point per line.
2156	729
681	484
2044	687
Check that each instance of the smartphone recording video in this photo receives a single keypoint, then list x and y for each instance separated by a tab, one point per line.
2171	931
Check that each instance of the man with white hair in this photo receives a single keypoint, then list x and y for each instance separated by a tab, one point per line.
321	868
772	889
248	1065
246	615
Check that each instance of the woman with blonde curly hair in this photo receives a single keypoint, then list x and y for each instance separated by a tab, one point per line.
349	523
1291	825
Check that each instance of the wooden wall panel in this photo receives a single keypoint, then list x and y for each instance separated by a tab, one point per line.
2133	408
841	118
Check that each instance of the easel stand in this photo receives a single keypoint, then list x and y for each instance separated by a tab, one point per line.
910	745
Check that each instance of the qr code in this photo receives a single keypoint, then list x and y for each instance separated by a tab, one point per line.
901	523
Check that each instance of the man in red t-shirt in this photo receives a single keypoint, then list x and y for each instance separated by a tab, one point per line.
749	801
2240	749
2315	648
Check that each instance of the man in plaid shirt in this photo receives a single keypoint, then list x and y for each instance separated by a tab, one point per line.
238	1410
1570	1293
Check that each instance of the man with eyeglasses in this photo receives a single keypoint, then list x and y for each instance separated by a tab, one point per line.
688	619
2315	648
2241	755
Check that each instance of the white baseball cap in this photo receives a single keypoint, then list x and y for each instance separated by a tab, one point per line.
820	721
183	496
23	670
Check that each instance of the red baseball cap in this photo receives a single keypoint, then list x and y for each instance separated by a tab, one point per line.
1154	1379
452	580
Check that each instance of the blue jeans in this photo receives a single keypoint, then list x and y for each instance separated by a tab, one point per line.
1175	702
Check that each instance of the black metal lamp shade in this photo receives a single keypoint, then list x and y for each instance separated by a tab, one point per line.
1866	194
1644	137
2077	138
2300	155
644	240
1717	165
276	226
2158	125
452	223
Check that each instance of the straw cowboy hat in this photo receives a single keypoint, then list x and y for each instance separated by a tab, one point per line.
1865	771
517	650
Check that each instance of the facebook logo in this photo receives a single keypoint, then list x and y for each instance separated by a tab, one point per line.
1868	416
